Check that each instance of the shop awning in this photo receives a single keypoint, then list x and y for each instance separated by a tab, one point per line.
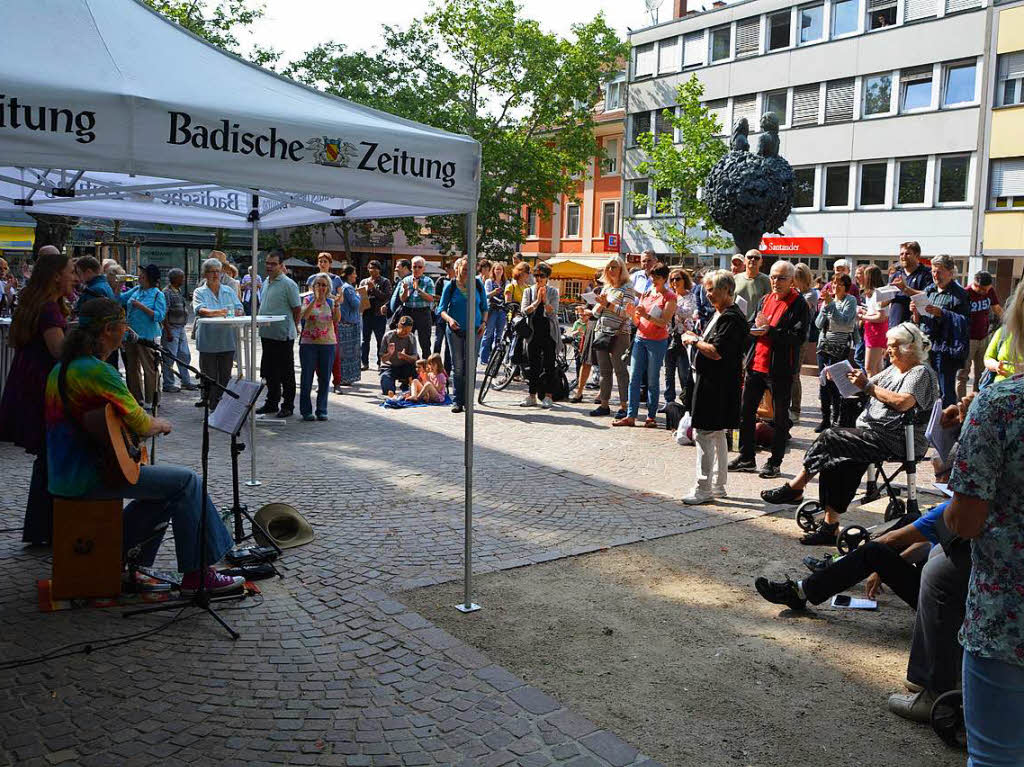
576	266
17	237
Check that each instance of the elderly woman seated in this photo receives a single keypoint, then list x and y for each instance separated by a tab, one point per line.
842	455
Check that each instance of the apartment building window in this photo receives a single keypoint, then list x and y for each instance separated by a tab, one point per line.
745	106
958	83
952	6
748	37
918	9
668	55
719	108
877	94
873	181
610	217
614	95
693	49
953	178
805	104
839	101
572	220
721	44
662	126
803	195
811	23
610	161
837	186
778	30
845	17
645	61
916	89
912	176
881	14
1008	183
776	103
531	222
1010	79
663	202
638	207
641	124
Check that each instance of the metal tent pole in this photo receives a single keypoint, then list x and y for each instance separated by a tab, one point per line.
254	218
467	605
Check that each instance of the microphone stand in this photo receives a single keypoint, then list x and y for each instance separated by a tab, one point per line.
158	361
201	599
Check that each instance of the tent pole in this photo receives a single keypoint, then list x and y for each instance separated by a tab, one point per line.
467	605
254	217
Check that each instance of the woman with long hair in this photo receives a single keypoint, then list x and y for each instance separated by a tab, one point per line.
876	320
350	329
677	359
317	346
837	321
803	281
496	315
613	310
540	304
37	335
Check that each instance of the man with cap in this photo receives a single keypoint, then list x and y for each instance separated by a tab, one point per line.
375	317
280	295
146	307
737	264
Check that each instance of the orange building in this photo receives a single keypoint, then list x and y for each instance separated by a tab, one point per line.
574	233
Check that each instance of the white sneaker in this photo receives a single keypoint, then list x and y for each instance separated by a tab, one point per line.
530	401
546	403
718	491
697	497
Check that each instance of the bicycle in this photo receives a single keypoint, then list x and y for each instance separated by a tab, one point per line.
502	367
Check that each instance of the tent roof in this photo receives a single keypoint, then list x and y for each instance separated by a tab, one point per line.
146	122
576	265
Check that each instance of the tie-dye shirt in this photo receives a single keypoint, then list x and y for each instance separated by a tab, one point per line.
71	454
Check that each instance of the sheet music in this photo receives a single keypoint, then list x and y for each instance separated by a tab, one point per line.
590	298
885	293
229	417
941	438
921	302
837	374
741	302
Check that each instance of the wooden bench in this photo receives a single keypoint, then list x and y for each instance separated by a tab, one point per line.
87	548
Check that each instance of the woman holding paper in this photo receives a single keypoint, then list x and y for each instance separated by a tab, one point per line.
842	455
875	317
611	333
837	321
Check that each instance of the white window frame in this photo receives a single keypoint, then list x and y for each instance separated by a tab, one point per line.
1018	92
731	53
532	223
897	18
632	123
896	185
604	207
579	214
824	25
968	184
632	203
851	181
885	186
614	157
619	85
768	30
674	64
893	85
1011	203
816	172
786	93
654	205
637	75
946	68
904	81
857	30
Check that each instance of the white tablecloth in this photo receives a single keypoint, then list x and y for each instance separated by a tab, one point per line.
242	326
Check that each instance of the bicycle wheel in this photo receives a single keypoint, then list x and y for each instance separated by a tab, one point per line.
491	371
504	378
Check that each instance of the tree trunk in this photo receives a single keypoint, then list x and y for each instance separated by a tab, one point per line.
52	230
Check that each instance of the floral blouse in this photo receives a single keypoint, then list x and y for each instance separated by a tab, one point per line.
318	327
990	466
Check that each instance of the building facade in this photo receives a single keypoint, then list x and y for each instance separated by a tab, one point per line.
883	106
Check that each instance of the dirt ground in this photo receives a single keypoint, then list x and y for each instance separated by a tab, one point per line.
667	644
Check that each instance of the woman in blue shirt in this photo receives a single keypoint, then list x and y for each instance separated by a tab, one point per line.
216	344
346	359
146	307
453	310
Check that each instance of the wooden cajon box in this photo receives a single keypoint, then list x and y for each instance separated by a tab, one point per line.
87	538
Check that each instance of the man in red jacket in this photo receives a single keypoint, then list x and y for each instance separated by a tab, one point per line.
779	329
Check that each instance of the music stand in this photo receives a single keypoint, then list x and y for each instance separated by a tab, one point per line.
229	418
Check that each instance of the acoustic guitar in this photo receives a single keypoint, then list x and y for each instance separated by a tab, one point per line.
122	453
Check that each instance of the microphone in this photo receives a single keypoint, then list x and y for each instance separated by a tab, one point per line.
135	338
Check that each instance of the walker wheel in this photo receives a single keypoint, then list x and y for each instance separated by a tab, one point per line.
852	538
805	515
896	509
948	719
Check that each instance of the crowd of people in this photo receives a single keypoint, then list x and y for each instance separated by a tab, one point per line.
726	346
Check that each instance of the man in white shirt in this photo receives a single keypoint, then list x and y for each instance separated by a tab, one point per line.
641	278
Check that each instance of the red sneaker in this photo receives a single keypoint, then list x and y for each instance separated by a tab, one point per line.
215	583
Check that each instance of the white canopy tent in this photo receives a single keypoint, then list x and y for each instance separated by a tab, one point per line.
108	110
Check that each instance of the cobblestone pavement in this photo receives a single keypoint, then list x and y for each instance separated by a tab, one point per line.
331	669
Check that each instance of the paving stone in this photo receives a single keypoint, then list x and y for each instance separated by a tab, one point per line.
609	747
533	700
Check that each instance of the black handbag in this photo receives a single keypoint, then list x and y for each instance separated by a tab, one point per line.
603	339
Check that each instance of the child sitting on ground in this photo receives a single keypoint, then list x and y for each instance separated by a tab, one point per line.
431	382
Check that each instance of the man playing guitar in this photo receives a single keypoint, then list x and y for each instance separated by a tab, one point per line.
82	382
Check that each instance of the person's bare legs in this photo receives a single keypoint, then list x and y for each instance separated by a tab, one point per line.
873	360
800	482
428	393
584	377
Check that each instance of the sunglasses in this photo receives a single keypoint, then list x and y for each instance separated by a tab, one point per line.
753	258
675	279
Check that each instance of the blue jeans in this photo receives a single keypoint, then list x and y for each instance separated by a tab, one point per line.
645	368
993	711
316	358
677	363
165	492
458	346
178	346
492	332
947	369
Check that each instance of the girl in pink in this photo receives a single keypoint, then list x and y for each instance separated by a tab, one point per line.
431	383
875	318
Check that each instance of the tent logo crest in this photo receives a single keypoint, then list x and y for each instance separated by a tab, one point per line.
333	152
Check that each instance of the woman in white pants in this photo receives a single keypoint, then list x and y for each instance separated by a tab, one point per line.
717	355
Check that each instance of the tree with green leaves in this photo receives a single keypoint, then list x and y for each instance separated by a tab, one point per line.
219	22
479	68
683	168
